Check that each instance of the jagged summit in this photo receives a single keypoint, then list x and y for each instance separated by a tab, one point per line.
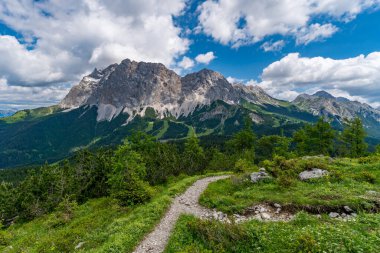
324	104
323	94
132	87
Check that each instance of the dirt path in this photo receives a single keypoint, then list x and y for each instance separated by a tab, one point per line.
186	203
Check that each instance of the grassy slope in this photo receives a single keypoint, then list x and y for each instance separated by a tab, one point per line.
306	233
101	224
347	185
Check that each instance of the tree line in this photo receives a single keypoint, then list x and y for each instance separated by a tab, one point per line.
129	173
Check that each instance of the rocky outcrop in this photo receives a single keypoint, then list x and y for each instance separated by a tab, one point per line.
259	176
324	104
312	174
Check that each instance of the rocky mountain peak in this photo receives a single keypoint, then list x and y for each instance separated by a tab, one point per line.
132	87
324	104
323	94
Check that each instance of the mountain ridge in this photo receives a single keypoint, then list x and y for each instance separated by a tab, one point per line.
109	104
132	87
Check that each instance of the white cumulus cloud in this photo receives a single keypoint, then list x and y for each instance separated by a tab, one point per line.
243	22
315	32
20	97
59	41
357	77
186	63
273	46
205	58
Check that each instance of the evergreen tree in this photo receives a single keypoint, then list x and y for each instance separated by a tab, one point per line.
353	137
377	149
244	139
161	159
322	137
194	157
126	180
268	146
315	139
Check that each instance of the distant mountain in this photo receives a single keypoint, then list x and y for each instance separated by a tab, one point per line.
109	104
340	109
6	113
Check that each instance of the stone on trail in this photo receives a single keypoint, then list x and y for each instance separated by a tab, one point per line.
265	216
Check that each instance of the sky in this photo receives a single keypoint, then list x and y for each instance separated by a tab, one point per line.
287	47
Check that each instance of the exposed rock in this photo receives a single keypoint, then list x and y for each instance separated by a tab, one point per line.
348	209
372	192
276	205
132	87
340	109
259	176
262	209
79	245
334	215
314	173
265	216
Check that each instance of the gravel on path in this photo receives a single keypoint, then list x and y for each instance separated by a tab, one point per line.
187	203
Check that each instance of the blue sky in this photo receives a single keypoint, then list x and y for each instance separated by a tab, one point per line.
361	36
287	47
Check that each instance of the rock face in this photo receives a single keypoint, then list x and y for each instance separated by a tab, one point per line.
340	109
324	104
132	87
259	176
314	173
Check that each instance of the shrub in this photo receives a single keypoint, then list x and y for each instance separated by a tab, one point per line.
366	176
66	208
5	237
336	176
286	181
242	165
306	243
126	180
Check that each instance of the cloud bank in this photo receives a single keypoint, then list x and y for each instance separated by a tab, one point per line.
59	41
355	78
242	22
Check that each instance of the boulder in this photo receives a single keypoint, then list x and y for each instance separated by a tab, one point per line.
259	176
313	173
334	215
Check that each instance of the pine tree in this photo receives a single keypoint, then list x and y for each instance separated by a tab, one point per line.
315	139
194	156
244	139
322	137
354	138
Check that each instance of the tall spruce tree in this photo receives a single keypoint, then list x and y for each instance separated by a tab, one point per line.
353	137
194	156
315	139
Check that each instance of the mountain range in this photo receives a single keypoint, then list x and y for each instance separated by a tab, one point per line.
109	104
6	113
